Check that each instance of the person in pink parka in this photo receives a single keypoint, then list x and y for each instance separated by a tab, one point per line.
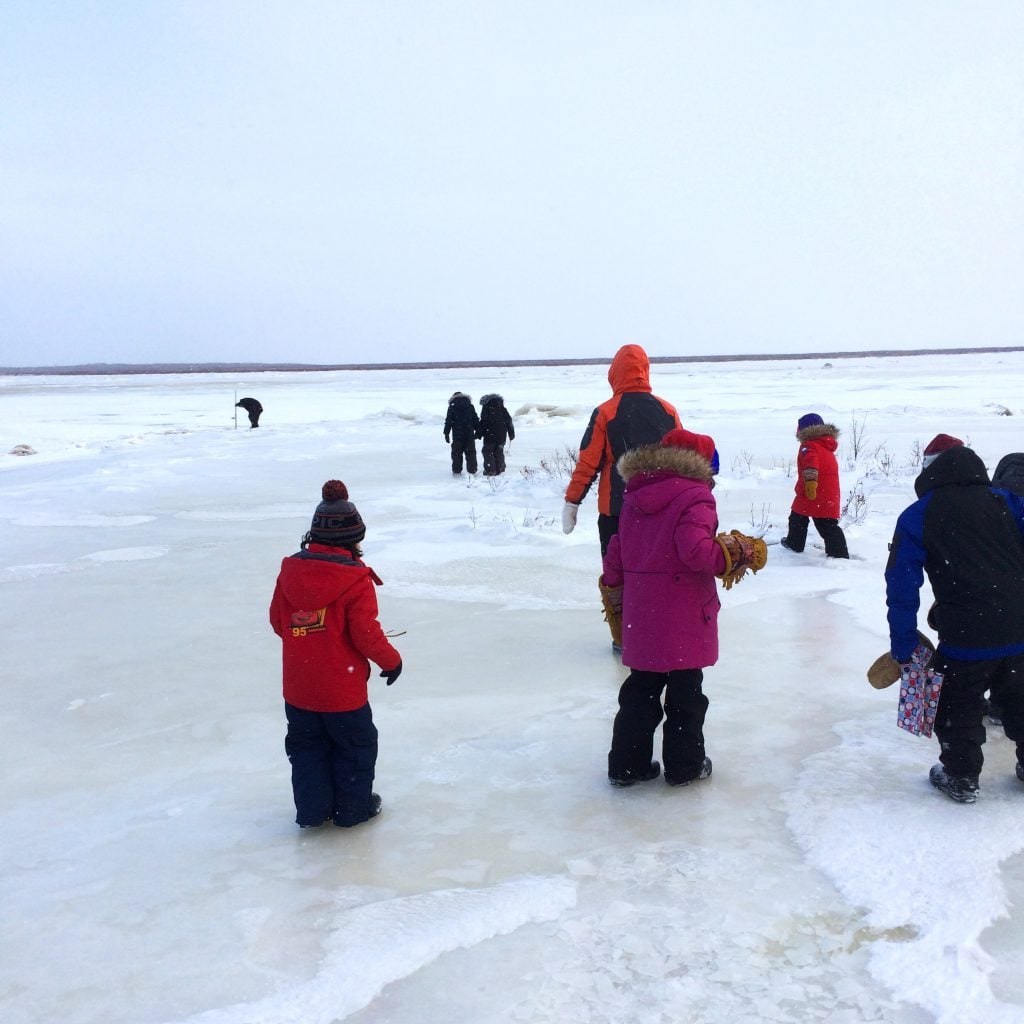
666	558
817	495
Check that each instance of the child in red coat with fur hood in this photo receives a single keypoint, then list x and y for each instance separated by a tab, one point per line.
324	609
817	488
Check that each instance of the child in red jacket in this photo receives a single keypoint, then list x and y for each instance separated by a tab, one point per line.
817	488
324	609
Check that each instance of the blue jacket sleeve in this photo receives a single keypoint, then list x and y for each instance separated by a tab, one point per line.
1016	504
904	575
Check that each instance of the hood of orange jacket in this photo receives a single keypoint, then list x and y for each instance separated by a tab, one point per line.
630	370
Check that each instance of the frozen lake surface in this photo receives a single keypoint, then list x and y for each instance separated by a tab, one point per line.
151	868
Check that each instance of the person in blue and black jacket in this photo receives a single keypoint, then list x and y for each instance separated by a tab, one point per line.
968	536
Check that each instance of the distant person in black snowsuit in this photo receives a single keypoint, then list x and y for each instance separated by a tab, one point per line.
495	428
253	408
460	431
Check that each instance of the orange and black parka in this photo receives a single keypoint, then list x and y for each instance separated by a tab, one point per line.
631	418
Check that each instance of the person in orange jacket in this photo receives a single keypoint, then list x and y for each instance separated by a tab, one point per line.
631	418
817	488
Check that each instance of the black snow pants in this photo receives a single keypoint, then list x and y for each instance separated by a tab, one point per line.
333	756
463	447
640	711
494	458
959	719
829	529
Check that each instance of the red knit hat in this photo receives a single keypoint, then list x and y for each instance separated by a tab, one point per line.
936	446
699	443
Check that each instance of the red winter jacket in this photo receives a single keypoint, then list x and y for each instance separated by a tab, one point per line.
816	463
324	609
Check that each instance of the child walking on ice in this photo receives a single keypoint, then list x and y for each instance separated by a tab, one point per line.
666	556
324	609
817	488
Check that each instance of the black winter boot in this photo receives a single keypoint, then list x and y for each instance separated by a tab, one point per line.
704	773
961	788
652	771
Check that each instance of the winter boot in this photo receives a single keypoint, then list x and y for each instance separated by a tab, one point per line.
375	802
652	771
1020	771
961	788
704	773
611	599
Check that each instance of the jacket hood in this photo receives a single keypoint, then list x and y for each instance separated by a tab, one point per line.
487	399
818	430
959	466
314	578
630	370
664	461
1009	473
458	398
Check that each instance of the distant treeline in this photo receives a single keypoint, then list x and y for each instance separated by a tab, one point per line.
237	368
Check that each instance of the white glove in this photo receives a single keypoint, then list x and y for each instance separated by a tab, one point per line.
569	513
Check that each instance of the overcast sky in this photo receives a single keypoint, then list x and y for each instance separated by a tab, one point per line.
336	182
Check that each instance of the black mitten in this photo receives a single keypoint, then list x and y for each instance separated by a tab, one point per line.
391	674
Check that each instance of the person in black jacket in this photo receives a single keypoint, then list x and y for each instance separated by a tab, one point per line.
968	536
495	428
460	431
253	408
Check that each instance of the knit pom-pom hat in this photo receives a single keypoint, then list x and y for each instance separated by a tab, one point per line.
336	521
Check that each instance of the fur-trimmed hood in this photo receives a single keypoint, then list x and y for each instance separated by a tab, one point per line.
486	399
663	460
818	430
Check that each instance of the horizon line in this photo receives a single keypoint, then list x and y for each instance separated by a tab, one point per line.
128	369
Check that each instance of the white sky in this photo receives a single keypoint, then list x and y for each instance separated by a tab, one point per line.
341	182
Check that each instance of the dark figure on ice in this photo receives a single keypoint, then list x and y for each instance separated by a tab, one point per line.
460	431
817	488
253	408
968	536
495	428
324	610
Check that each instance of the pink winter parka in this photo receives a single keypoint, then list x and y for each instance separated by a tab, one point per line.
666	558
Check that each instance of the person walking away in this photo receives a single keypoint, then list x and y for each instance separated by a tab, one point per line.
324	609
495	428
460	431
632	418
665	556
817	488
968	537
253	408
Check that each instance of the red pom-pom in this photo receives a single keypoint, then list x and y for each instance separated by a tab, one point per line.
334	490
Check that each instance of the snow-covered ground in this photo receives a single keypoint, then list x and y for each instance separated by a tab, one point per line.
151	868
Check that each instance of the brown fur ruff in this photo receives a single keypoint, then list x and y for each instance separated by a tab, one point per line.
656	459
818	430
